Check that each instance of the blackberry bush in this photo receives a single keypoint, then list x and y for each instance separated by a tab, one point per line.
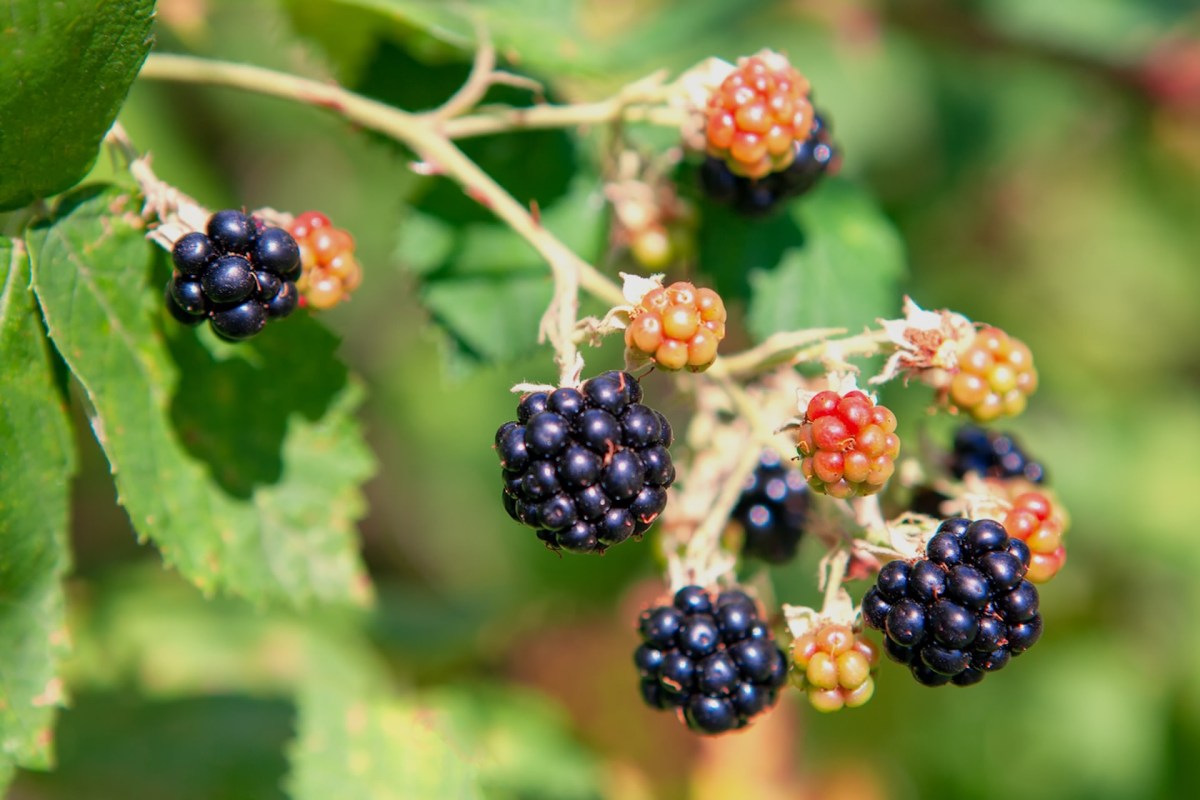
709	658
238	275
246	467
586	468
963	610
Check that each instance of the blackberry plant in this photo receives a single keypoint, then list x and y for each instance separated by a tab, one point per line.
768	342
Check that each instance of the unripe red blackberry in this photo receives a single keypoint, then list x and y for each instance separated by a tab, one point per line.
772	510
995	376
757	114
835	667
587	468
963	610
847	444
676	326
237	275
815	157
330	270
1039	523
709	658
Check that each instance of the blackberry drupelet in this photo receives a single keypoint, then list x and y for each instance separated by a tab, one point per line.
772	510
238	275
587	468
710	658
962	611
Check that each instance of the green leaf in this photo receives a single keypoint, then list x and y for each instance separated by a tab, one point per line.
358	739
241	462
65	68
119	744
522	744
834	261
36	462
492	287
546	34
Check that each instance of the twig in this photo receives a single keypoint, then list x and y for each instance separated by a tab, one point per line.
475	87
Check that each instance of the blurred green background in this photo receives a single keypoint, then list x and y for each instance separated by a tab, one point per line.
1041	163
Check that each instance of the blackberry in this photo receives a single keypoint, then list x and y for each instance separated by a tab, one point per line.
834	666
587	468
772	510
847	444
995	376
962	611
239	275
815	156
709	658
991	455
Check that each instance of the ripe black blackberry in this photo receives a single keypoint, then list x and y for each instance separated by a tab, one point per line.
992	455
815	156
772	510
589	467
710	658
238	275
962	611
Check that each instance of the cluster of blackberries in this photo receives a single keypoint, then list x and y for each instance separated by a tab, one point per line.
991	455
815	156
713	660
238	275
587	467
772	510
962	611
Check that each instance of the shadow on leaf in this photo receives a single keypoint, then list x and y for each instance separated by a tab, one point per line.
732	246
234	402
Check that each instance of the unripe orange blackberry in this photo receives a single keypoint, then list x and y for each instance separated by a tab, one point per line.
757	114
835	667
995	376
331	272
677	326
1035	520
847	444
